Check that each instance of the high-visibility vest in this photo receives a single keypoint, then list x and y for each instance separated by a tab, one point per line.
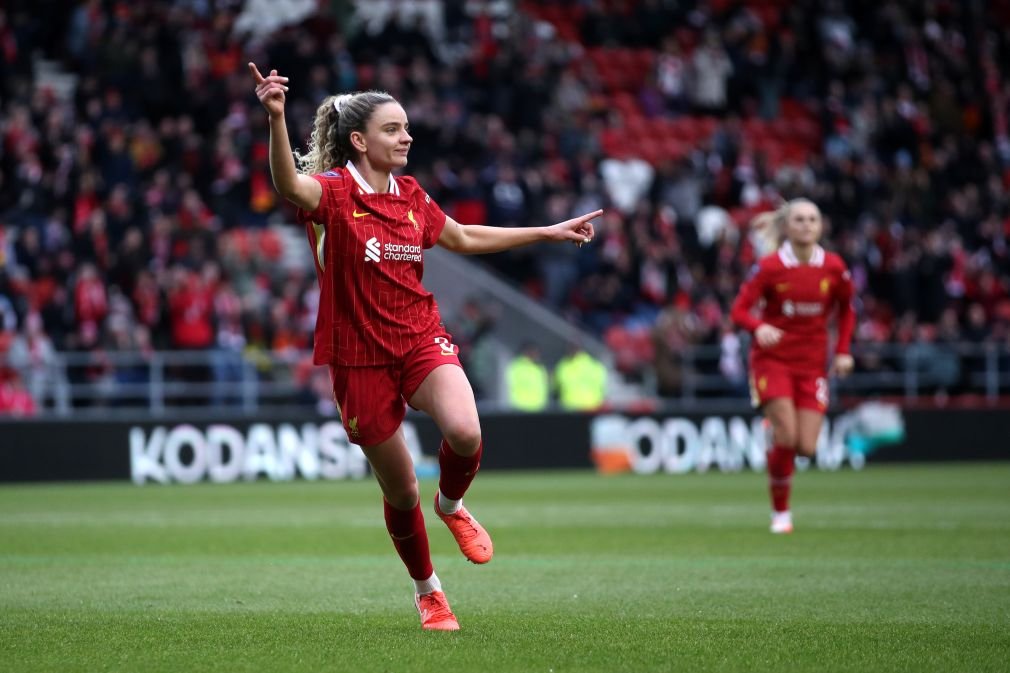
527	382
582	381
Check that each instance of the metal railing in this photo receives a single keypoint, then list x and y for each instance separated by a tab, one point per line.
99	383
196	382
899	370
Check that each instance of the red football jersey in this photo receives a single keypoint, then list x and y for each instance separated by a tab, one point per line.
369	262
798	299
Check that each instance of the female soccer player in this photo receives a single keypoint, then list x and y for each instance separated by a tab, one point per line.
378	329
799	286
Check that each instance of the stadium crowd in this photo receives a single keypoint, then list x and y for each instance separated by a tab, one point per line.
135	213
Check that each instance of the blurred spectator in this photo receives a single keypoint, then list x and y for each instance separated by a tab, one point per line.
32	354
527	381
191	307
711	68
731	360
226	360
935	361
15	400
581	380
479	351
671	76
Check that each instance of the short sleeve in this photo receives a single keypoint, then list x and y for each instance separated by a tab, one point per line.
334	184
434	218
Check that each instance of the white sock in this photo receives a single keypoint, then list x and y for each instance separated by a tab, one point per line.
427	586
447	506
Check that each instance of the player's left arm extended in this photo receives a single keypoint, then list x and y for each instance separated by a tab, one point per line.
476	239
846	314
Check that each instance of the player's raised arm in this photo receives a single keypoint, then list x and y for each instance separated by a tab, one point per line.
300	190
477	239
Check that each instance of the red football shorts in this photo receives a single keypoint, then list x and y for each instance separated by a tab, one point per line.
807	390
372	400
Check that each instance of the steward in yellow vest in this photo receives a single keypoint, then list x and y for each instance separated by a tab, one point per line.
527	380
581	381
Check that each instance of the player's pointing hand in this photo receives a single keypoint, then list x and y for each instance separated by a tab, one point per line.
578	230
270	90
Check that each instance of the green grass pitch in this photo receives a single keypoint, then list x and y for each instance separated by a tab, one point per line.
891	569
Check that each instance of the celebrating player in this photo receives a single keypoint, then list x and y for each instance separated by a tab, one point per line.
378	329
798	286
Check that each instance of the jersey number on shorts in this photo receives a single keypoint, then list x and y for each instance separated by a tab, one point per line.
821	392
445	345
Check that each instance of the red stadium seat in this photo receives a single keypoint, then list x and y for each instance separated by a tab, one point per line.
637	126
678	128
707	125
658	127
755	128
807	130
621	343
674	149
644	348
645	59
633	349
790	108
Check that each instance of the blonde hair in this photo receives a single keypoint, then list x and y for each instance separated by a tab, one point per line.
336	118
770	226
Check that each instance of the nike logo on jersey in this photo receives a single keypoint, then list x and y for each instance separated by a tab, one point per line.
356	214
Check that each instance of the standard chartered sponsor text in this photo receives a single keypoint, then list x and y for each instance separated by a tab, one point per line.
399	252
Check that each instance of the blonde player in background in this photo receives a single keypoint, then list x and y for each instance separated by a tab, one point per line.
798	286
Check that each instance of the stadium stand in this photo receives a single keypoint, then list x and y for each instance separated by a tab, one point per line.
137	213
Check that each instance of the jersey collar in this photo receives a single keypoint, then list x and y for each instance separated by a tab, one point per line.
789	258
394	188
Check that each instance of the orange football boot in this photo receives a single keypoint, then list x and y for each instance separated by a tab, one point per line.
435	612
471	537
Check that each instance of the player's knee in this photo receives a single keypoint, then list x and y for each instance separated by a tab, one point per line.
806	450
786	438
464	438
403	496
